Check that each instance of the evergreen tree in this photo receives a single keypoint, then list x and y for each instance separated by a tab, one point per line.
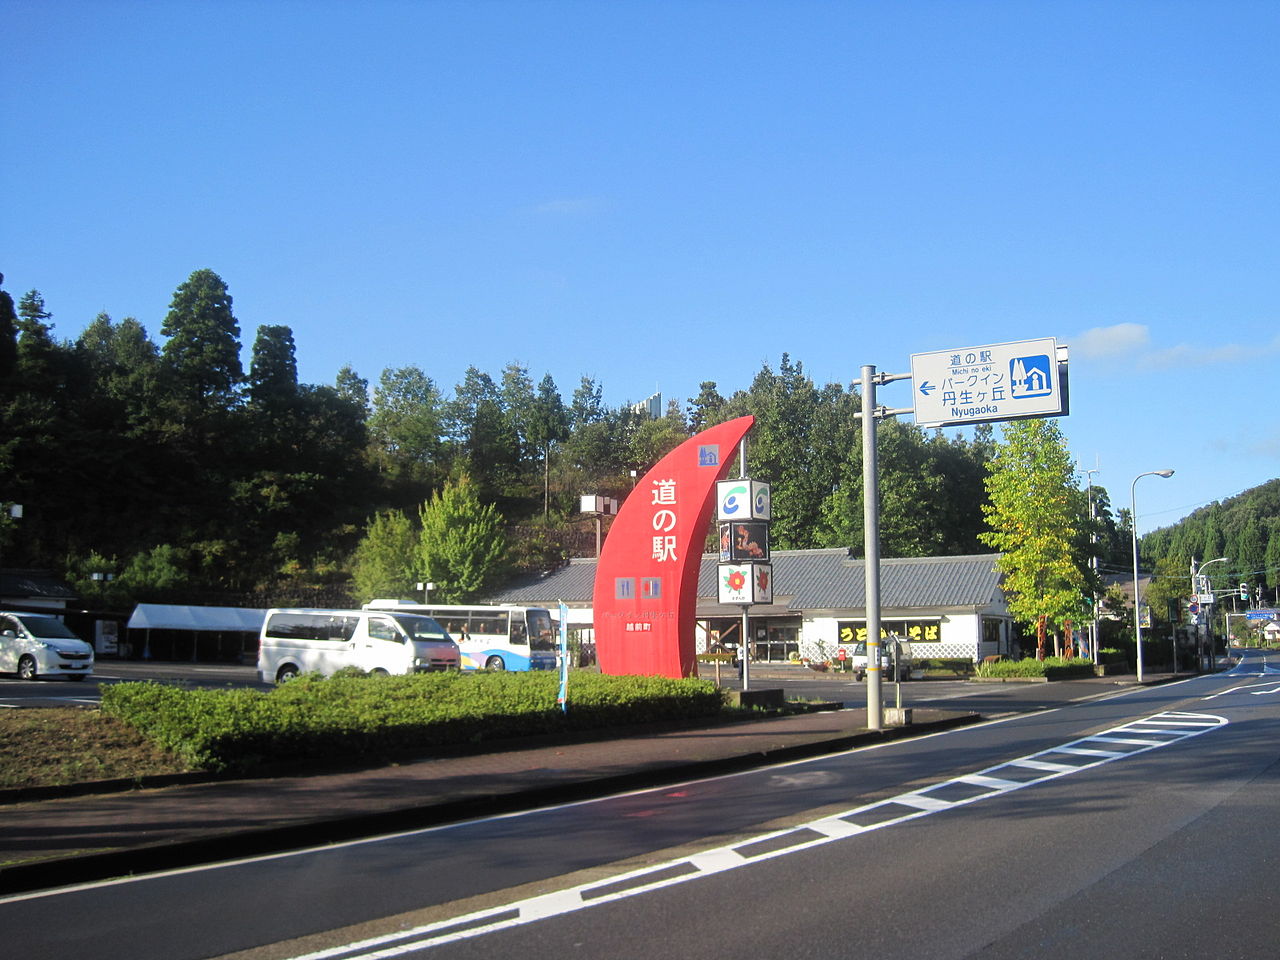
548	426
8	338
203	348
707	409
273	369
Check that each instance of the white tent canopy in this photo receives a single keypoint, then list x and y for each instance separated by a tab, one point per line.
165	616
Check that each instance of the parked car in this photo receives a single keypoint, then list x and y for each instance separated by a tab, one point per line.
325	641
896	660
40	645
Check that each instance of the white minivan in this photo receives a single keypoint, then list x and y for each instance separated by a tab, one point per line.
40	645
325	641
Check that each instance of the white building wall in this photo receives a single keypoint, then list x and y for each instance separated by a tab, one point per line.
961	635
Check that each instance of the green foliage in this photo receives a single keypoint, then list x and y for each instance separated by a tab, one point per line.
348	718
204	342
385	560
462	544
1244	528
1052	668
1035	518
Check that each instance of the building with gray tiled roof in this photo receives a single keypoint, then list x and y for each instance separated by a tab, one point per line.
949	606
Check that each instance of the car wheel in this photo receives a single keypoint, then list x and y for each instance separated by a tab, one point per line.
286	673
27	668
495	663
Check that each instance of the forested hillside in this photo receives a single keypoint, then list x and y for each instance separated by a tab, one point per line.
168	466
1245	529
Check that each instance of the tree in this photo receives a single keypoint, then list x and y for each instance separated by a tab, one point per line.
406	423
385	559
203	348
273	369
486	440
707	409
548	425
8	337
462	543
1035	520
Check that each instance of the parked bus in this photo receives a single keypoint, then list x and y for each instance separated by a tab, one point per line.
324	641
491	637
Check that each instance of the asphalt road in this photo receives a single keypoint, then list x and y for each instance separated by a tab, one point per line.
989	699
55	691
1134	825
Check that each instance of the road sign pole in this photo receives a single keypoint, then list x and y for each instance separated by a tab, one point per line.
871	535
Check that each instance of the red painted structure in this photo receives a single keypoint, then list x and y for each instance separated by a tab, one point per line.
646	590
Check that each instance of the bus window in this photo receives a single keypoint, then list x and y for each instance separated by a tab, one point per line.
489	623
519	635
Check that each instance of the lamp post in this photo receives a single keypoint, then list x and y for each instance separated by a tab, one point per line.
1093	566
1137	592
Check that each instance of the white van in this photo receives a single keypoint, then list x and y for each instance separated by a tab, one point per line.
325	641
40	645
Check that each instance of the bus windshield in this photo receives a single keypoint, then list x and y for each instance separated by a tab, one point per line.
541	634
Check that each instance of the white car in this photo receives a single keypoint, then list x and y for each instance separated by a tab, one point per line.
40	645
892	653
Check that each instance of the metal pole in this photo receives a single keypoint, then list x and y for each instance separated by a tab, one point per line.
746	622
871	538
1137	592
1093	565
1137	600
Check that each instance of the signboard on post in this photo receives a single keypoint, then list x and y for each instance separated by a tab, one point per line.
999	381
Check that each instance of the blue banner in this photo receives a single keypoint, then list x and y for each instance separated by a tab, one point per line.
563	697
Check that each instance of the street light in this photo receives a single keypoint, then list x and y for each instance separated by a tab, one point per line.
1093	566
1137	592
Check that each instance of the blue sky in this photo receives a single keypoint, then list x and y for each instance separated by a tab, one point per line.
657	194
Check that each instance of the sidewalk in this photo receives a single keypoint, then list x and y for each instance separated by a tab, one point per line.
73	839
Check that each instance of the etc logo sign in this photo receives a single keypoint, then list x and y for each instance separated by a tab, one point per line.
747	499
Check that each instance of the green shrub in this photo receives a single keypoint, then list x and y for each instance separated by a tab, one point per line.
1053	668
353	716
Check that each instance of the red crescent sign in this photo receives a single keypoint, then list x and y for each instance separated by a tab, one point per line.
646	590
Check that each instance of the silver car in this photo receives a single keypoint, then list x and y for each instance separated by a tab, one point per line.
40	645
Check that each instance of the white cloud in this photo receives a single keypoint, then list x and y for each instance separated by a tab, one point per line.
1132	341
1184	355
570	206
1121	339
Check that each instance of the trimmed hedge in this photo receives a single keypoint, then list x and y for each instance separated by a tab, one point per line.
350	717
1052	668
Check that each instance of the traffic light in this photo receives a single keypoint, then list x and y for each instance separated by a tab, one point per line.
1244	591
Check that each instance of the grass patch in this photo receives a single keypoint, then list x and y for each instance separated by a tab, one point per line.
58	746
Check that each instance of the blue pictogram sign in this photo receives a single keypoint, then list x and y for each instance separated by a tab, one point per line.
1030	377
